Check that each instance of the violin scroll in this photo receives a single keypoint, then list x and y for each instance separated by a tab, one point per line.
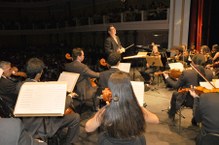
107	95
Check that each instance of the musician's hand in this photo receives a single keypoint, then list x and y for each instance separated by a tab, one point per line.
73	95
193	93
165	74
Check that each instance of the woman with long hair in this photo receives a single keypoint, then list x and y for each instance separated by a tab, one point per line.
123	118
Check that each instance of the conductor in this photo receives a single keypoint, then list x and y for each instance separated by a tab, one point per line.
112	42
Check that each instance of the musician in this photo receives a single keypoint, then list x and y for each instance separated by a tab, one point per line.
112	42
123	119
8	87
205	106
189	77
215	52
113	60
35	125
148	72
84	87
205	50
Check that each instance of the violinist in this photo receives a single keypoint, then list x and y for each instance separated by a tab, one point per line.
215	52
8	87
205	109
187	78
123	111
35	126
205	50
148	71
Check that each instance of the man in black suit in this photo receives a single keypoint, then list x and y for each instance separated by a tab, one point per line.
8	88
205	108
187	78
112	42
113	60
84	88
35	125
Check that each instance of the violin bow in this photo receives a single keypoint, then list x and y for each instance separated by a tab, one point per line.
195	68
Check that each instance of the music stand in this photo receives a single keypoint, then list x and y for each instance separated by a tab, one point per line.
154	60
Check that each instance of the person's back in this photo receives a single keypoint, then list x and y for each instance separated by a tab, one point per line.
205	108
106	140
113	60
13	133
123	111
209	105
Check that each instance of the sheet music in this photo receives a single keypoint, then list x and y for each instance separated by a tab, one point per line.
216	82
140	53
206	85
71	79
1	72
41	99
176	65
125	67
138	88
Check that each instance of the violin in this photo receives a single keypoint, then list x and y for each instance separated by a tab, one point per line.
199	90
107	95
173	73
103	62
15	72
68	57
92	81
68	111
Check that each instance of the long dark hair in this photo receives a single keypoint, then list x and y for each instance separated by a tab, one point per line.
123	118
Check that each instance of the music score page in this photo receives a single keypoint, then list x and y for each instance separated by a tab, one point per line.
70	78
41	99
138	88
125	67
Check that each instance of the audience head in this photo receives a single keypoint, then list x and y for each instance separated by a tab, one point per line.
124	109
6	67
114	58
78	54
34	68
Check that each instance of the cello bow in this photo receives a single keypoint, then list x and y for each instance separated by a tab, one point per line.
196	69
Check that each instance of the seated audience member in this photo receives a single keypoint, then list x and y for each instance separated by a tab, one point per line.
84	87
187	78
8	87
35	125
205	108
13	133
113	60
123	111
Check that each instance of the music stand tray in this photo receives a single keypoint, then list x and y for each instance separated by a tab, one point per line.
154	60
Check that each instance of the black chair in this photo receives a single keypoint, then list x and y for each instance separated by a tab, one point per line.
106	140
5	110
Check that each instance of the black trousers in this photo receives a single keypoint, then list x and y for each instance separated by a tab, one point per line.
178	100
